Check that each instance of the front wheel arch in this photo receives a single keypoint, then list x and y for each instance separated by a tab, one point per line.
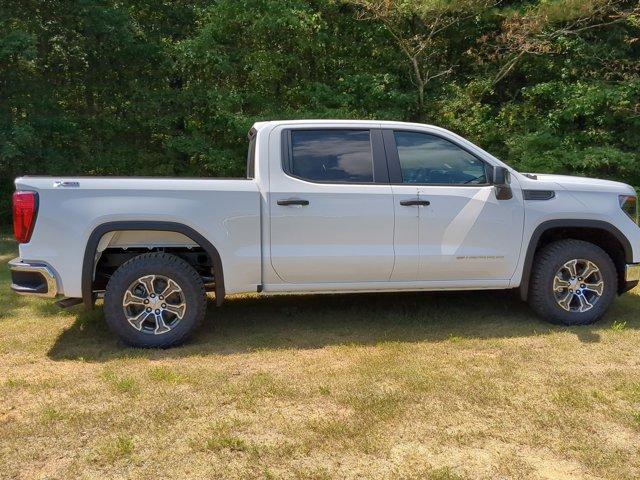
600	233
88	263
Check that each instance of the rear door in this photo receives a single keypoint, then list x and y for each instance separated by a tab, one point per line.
331	207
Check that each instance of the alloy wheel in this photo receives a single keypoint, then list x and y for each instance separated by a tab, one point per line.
578	285
154	304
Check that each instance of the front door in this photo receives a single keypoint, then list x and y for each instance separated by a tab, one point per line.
464	232
331	207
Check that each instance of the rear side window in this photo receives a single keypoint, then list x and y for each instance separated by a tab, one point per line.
428	159
338	156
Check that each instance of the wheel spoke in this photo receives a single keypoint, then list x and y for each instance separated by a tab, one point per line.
559	284
584	303
131	299
565	302
589	269
148	283
178	310
596	288
571	267
161	327
137	321
171	288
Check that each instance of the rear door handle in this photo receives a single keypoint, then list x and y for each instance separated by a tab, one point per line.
411	203
293	201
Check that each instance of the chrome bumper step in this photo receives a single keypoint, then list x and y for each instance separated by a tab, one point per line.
34	279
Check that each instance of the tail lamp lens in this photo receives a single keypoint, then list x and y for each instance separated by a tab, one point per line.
25	209
629	204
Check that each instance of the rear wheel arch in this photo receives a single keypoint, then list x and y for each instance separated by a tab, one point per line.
88	264
600	233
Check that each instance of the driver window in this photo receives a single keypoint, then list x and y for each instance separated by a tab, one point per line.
428	159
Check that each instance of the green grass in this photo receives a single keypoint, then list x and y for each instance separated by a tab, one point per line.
401	386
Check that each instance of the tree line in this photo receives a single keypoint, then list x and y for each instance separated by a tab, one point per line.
152	87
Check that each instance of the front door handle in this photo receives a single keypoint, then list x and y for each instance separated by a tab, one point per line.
411	203
293	201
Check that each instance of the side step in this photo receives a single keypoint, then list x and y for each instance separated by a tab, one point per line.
68	302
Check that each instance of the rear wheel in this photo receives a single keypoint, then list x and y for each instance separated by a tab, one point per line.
572	282
155	300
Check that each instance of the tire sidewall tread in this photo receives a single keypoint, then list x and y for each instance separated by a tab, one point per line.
546	264
155	263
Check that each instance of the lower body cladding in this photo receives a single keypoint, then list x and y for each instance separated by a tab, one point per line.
39	280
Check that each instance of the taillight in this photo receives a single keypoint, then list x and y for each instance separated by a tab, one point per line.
25	209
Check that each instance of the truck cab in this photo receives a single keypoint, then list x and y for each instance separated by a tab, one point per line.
327	206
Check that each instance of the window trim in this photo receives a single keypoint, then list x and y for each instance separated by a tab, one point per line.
379	162
393	160
251	154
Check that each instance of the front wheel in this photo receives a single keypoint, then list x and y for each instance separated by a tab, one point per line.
572	282
154	300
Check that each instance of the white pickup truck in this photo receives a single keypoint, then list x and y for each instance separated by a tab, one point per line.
327	206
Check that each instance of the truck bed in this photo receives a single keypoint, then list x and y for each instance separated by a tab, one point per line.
224	211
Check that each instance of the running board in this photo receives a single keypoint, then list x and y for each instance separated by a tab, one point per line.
68	302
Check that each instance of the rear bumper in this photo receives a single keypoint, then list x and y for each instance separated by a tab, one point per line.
35	279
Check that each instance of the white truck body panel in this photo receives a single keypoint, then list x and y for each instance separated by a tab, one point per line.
351	237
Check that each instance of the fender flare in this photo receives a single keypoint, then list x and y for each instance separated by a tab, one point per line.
92	245
569	223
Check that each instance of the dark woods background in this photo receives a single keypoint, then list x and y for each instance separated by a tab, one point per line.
161	87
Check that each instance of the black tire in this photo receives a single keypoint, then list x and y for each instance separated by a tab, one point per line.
548	261
165	266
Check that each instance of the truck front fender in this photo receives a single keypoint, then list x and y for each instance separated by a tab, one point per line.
569	224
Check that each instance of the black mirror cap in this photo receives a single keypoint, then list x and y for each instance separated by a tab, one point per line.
500	176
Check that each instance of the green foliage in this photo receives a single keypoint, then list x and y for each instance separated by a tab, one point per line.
584	128
146	87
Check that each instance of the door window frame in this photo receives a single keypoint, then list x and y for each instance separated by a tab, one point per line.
379	159
395	170
251	154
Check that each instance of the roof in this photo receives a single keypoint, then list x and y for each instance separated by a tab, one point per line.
390	123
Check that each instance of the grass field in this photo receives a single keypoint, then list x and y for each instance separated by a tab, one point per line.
407	386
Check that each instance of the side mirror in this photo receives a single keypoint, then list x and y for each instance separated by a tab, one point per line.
501	177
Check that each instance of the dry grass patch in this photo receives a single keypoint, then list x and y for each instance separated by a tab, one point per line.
400	386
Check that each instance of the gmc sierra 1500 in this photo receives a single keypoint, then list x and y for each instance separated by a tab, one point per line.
327	206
